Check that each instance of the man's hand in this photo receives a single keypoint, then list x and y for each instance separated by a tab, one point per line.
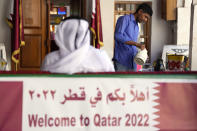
140	46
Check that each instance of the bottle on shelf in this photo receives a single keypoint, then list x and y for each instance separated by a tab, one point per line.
3	62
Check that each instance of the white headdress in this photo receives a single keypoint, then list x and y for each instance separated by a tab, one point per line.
75	53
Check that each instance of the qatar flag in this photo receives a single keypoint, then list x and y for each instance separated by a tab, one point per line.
11	94
15	21
96	24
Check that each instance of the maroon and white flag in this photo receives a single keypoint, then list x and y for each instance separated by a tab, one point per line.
11	99
17	31
96	24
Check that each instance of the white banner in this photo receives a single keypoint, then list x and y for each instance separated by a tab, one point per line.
90	104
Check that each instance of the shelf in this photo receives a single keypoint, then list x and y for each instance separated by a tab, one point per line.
123	12
54	24
129	2
53	15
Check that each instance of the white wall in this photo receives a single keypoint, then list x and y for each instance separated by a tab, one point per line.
5	34
162	31
107	14
180	3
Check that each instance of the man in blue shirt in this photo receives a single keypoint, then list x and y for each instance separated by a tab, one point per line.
126	34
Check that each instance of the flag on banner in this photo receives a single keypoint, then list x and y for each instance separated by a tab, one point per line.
96	24
15	21
11	103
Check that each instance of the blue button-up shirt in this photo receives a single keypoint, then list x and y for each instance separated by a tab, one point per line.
126	30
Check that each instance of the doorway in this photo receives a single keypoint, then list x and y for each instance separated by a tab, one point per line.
40	20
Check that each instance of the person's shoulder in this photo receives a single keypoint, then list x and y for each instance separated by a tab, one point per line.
128	17
131	17
123	18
